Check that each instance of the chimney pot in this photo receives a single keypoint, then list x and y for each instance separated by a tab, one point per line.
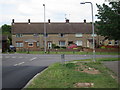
67	20
28	21
84	20
48	20
13	21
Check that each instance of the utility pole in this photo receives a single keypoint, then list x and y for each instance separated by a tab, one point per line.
93	31
44	31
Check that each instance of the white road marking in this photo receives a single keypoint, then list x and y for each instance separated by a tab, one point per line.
33	59
19	64
15	64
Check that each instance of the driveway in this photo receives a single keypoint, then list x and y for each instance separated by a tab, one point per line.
18	69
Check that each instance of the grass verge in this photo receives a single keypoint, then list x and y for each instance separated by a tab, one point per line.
70	52
101	59
66	76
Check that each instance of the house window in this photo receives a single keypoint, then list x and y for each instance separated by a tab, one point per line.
35	35
30	44
79	43
19	35
61	35
19	44
78	35
61	43
94	35
38	44
70	42
116	42
45	35
100	42
110	42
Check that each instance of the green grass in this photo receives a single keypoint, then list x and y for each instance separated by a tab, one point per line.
100	59
71	52
65	76
108	59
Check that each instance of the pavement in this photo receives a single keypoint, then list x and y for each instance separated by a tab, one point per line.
114	66
18	69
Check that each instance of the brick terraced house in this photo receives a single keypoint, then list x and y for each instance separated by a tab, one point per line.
31	35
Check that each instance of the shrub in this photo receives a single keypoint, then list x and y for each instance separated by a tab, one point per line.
63	47
102	47
53	45
56	47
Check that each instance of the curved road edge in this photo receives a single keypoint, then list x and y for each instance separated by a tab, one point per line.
34	78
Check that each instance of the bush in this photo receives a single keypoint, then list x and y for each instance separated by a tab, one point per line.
53	45
56	47
63	47
102	47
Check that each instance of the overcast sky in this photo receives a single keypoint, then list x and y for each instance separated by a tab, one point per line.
56	10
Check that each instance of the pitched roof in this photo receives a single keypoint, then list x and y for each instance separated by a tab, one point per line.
51	28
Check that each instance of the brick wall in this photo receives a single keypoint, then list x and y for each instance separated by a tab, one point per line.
55	38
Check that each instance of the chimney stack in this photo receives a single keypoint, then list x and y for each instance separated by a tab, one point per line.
28	21
84	20
49	21
67	20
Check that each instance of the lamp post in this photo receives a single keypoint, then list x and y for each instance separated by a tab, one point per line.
44	31
93	32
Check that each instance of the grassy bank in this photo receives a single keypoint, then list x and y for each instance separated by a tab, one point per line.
70	74
71	52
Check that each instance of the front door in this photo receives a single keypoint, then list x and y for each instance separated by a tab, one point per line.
49	45
88	43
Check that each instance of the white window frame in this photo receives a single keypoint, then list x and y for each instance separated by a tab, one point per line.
117	42
61	35
36	35
79	42
19	44
100	43
60	43
37	44
94	35
19	35
78	35
110	42
29	44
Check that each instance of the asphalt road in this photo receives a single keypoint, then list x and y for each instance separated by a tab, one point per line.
18	69
114	66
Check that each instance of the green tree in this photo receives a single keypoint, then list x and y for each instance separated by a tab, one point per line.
6	29
109	20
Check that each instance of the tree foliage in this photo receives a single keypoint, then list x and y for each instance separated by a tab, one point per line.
109	20
6	29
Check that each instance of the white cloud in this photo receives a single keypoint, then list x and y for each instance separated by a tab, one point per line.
21	10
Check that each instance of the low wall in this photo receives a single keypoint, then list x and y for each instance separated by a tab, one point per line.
71	50
103	50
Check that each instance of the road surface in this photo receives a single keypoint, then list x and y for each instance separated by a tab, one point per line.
18	69
114	66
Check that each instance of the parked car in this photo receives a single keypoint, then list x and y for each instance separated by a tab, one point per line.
72	46
12	48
